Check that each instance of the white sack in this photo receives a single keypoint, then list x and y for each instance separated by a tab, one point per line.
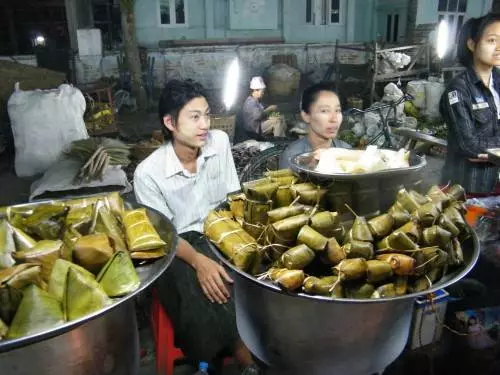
44	122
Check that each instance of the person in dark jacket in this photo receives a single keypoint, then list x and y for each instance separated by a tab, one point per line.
470	107
252	121
320	110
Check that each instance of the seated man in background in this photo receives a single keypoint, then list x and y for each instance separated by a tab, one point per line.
320	109
185	179
253	121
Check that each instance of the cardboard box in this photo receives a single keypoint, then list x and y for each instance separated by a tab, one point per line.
427	319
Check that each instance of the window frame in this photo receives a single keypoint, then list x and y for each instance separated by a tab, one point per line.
172	8
325	13
456	14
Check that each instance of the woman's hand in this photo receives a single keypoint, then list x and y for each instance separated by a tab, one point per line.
211	276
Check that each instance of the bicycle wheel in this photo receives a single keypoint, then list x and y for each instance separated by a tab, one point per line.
266	160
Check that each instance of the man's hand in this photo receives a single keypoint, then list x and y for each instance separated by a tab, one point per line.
211	276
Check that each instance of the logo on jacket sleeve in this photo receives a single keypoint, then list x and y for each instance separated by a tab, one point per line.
453	97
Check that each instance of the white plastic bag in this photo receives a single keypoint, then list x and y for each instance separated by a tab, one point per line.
433	93
44	123
392	93
417	90
358	129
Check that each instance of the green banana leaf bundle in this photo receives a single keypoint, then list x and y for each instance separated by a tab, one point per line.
304	248
37	312
255	211
325	222
297	257
284	196
140	232
3	329
7	245
45	253
118	277
92	251
235	243
51	252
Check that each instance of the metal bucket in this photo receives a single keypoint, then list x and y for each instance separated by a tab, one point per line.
103	343
314	335
367	193
106	345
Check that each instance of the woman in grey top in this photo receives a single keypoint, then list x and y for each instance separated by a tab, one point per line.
320	109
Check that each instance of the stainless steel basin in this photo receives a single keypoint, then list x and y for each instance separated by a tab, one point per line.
302	334
103	343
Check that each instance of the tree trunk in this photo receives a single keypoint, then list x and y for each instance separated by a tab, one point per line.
132	52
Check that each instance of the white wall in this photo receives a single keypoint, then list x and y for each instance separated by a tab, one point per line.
427	10
208	64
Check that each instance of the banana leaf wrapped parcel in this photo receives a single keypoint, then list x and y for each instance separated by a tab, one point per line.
293	241
235	243
63	260
141	234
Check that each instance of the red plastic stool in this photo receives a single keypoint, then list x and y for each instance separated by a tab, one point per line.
163	331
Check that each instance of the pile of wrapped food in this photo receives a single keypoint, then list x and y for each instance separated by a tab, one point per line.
63	260
340	160
278	230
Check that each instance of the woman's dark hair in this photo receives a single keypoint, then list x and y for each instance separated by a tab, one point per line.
472	29
310	94
175	95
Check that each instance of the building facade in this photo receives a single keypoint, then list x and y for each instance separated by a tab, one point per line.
161	23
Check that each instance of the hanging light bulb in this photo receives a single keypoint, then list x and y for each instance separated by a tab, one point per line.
231	84
442	39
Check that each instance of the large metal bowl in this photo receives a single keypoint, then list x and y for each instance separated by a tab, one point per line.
302	334
366	193
104	342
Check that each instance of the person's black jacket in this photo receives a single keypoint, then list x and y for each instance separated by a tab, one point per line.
469	110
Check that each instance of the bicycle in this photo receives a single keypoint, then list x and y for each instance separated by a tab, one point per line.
385	130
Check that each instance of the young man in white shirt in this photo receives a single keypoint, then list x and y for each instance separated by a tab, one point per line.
184	179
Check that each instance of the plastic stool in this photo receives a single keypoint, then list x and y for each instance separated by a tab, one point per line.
163	331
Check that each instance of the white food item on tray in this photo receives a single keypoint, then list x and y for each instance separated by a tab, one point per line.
341	160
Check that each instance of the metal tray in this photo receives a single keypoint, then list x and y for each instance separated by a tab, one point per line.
367	193
147	272
306	164
493	155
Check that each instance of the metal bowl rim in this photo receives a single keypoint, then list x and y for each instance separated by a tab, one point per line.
422	162
7	345
275	289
